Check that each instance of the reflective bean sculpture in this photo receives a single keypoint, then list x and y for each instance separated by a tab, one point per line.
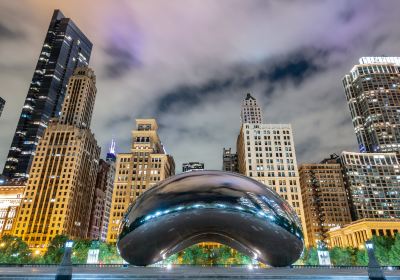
215	206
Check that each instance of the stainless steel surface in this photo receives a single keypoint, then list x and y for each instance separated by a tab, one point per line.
214	206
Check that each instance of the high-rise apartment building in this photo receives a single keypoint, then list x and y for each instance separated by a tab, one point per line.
145	166
372	182
373	95
192	166
324	200
11	194
61	185
101	206
251	112
65	48
266	153
229	160
2	103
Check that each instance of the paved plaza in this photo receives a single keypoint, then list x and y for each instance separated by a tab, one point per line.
195	272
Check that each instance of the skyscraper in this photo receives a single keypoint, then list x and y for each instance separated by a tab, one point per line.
371	177
324	199
192	166
229	160
145	166
101	206
267	154
2	103
251	112
65	48
61	185
373	95
372	182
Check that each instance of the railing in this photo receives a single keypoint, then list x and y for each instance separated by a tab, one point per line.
121	265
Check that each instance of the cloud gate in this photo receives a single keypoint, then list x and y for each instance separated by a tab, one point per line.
216	206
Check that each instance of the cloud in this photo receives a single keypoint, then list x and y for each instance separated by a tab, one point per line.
191	64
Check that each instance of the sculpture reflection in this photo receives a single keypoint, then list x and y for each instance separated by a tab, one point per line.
215	206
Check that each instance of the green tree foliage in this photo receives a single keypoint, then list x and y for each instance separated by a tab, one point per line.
14	250
394	254
55	251
223	254
342	256
242	259
311	256
108	254
361	257
382	247
80	251
194	255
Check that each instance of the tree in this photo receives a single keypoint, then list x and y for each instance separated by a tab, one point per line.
382	247
55	251
361	257
242	259
342	256
173	259
194	255
223	254
394	254
80	251
14	250
311	257
108	253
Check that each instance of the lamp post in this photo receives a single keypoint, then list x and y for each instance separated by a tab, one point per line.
64	270
374	269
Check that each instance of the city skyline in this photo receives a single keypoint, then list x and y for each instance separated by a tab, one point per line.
141	65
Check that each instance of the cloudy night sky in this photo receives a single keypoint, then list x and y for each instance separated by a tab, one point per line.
190	63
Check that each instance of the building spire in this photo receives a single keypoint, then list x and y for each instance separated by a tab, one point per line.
112	147
111	155
251	112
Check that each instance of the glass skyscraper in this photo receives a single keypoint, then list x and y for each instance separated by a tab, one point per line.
65	48
373	95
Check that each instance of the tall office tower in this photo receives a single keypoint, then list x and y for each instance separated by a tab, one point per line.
101	206
229	161
251	112
324	199
371	180
61	185
65	48
192	166
145	166
2	103
11	194
266	153
373	94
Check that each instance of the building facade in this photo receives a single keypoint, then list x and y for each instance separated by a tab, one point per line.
357	233
145	166
251	112
267	154
2	103
101	206
229	160
324	200
373	95
65	48
61	185
192	166
11	195
372	181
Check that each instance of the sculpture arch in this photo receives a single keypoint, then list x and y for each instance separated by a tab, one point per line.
217	206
